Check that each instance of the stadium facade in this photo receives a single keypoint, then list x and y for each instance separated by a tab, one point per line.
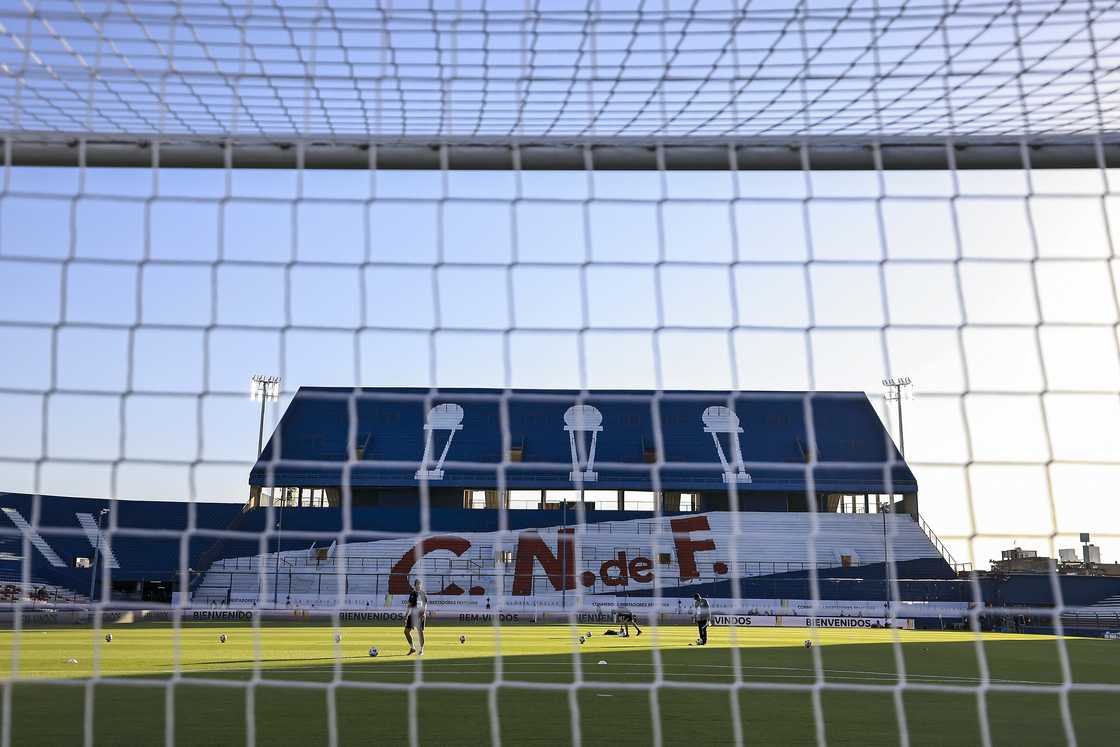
750	451
534	501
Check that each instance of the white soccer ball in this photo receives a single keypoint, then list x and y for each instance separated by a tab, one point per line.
373	651
581	639
108	637
222	638
462	639
808	643
589	634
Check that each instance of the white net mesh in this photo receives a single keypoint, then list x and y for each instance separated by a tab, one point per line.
704	196
506	70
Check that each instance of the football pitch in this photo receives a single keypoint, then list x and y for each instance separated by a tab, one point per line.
273	686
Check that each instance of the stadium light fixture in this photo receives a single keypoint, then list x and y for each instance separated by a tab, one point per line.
896	391
265	389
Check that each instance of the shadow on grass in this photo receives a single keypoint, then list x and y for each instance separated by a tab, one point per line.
778	705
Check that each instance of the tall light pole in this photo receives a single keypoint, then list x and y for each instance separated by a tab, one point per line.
96	553
896	391
266	389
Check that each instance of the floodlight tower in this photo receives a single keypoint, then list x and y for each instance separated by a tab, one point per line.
896	390
265	389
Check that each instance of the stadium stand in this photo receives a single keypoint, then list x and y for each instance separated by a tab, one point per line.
750	451
604	553
343	512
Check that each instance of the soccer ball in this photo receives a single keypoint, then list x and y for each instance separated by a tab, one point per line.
462	639
222	638
581	639
808	643
108	637
589	634
373	651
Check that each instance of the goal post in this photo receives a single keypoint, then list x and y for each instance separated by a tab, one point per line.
559	154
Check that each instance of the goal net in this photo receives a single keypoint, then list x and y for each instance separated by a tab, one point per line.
619	205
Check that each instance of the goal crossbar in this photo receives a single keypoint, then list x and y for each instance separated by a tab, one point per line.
544	154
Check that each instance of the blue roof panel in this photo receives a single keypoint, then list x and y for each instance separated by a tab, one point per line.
635	440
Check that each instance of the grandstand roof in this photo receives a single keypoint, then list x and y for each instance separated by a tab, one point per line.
643	440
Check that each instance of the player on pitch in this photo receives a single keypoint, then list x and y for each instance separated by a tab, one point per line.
625	619
701	613
415	616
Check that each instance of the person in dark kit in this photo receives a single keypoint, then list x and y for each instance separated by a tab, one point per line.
625	619
414	617
702	614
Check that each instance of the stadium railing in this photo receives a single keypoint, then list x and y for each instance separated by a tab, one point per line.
941	548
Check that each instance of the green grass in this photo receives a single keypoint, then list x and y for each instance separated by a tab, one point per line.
299	673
